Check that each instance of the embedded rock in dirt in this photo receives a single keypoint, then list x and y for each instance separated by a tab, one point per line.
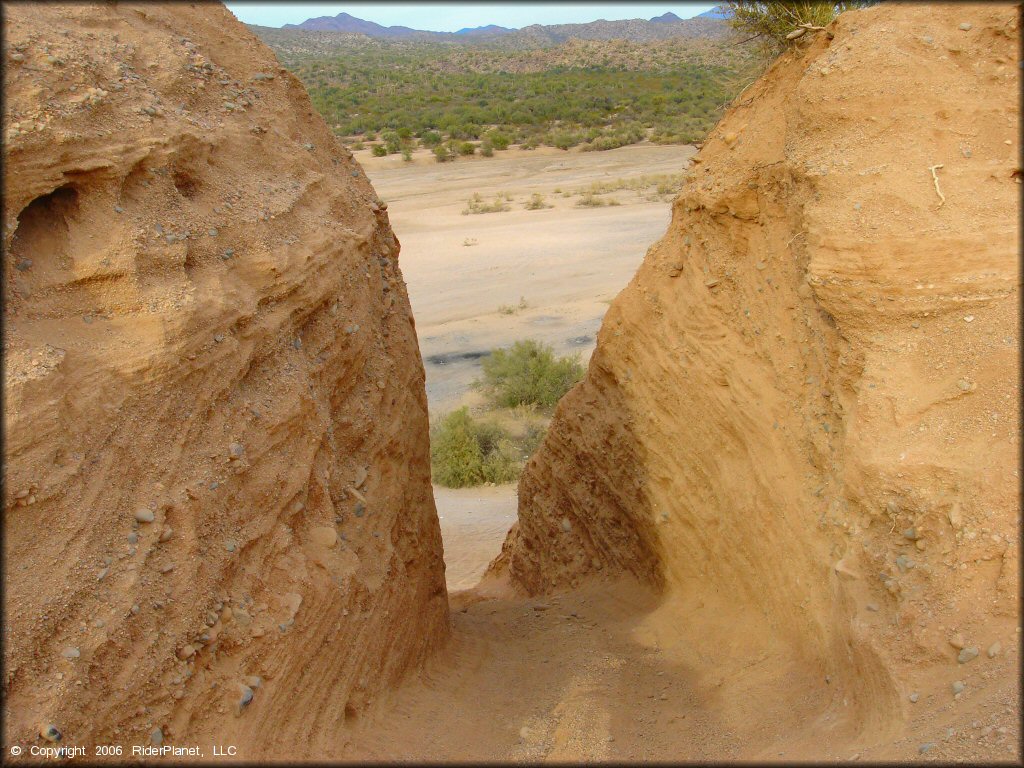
207	340
806	402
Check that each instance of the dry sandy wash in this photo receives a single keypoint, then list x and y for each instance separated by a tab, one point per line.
566	261
778	520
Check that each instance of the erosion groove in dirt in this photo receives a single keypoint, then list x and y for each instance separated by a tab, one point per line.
801	419
216	457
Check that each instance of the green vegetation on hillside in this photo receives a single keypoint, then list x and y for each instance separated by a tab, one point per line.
588	94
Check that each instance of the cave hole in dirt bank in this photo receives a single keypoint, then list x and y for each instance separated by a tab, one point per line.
41	236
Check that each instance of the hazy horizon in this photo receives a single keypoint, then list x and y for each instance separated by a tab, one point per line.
451	17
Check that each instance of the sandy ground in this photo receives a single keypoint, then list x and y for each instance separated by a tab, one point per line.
600	674
474	522
566	262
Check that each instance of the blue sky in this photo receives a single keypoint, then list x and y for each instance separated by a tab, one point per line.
449	17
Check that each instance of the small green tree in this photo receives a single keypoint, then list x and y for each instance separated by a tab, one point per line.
430	138
528	373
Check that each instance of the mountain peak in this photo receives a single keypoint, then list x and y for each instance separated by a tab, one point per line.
666	17
487	29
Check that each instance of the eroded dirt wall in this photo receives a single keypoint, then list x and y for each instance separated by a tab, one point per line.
217	483
802	417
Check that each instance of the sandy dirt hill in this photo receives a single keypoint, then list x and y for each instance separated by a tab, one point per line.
801	422
217	504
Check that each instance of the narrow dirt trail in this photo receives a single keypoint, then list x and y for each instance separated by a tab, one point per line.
576	677
582	677
615	672
576	674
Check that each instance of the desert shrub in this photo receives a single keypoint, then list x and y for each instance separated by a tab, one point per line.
536	202
771	22
379	150
467	148
465	451
356	146
590	200
407	154
650	186
508	309
498	140
476	204
486	148
391	142
430	138
442	154
528	373
564	140
600	141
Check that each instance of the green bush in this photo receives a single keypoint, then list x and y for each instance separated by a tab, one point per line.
430	139
486	148
391	142
466	452
379	150
442	153
467	148
564	140
528	373
498	140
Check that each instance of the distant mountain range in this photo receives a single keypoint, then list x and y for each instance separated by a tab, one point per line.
490	29
345	22
662	27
